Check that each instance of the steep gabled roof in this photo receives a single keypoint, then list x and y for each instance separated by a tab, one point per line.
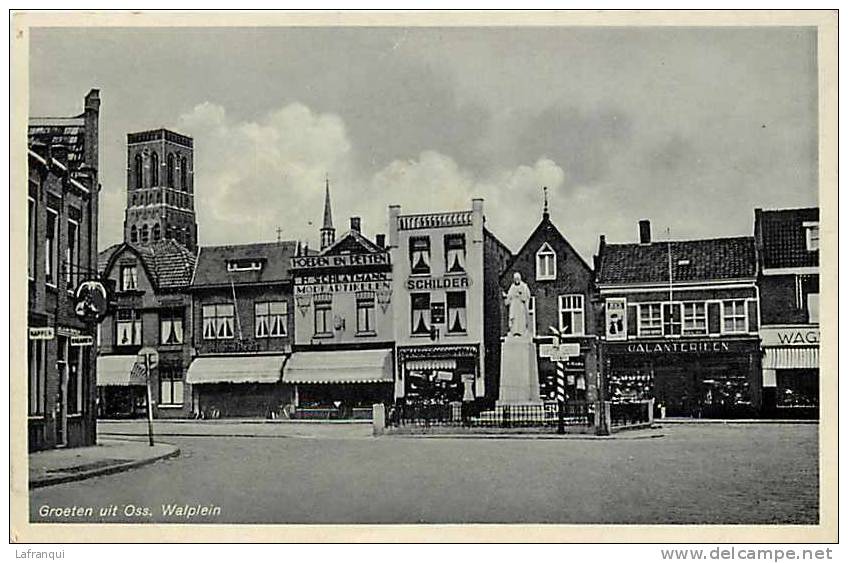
168	264
211	268
781	237
351	241
550	230
691	260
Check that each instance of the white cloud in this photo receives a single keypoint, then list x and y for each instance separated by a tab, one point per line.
252	177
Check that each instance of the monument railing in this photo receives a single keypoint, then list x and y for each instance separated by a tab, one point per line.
544	416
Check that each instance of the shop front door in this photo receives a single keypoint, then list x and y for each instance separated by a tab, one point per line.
674	388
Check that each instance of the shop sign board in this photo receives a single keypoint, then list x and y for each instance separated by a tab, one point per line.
342	282
790	336
563	352
41	333
616	318
443	282
342	260
700	346
82	340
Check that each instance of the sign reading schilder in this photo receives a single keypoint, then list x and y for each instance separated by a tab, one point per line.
446	282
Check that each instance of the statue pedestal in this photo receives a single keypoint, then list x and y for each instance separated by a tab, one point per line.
519	373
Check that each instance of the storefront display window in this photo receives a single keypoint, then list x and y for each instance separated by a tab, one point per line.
797	388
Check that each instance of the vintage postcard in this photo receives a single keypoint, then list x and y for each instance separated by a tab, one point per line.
491	276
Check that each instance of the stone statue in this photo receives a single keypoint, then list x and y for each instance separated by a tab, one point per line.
518	301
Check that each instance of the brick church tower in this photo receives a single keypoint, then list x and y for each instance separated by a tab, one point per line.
160	188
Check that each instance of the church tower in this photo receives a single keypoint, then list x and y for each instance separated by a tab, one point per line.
328	233
160	189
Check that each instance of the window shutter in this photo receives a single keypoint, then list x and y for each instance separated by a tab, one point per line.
632	319
714	318
752	316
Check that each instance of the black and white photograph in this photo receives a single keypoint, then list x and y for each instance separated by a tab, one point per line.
424	269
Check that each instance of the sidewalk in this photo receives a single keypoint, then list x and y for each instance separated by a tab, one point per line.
518	433
683	420
51	467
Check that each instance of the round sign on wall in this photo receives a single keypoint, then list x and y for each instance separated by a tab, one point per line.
91	301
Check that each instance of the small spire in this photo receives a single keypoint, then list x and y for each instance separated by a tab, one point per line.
545	213
279	234
328	212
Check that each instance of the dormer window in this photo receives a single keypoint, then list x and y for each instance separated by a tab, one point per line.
811	229
243	265
546	263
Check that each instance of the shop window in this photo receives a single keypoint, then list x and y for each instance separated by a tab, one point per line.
154	170
218	321
733	316
32	237
457	319
51	247
797	388
137	171
184	173
650	319
455	253
128	327
170	385
811	229
546	263
37	376
694	319
323	311
129	278
419	255
420	313
571	314
171	327
672	323
270	319
365	313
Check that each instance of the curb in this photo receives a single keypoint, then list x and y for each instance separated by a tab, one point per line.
117	468
735	421
588	437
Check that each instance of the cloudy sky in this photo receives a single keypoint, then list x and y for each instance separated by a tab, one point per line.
691	128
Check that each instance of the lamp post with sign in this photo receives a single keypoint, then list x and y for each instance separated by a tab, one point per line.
559	354
150	358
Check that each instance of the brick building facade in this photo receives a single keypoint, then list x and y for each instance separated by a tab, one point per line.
681	324
63	193
788	280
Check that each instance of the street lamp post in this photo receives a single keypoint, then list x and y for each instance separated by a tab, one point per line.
150	357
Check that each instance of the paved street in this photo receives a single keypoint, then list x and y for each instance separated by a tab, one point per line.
319	473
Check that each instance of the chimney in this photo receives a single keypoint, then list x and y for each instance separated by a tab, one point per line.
381	240
356	224
644	231
394	214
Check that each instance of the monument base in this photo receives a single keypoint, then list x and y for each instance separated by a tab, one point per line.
519	383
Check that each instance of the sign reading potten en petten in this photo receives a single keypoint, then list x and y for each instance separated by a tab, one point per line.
341	261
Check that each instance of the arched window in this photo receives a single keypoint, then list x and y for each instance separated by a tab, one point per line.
135	199
154	169
145	234
133	234
156	232
546	263
170	169
138	171
184	173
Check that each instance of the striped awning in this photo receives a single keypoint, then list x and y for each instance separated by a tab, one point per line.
423	365
236	369
791	357
340	366
120	370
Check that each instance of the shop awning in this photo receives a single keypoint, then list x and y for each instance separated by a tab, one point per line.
791	358
236	369
120	370
423	365
352	366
